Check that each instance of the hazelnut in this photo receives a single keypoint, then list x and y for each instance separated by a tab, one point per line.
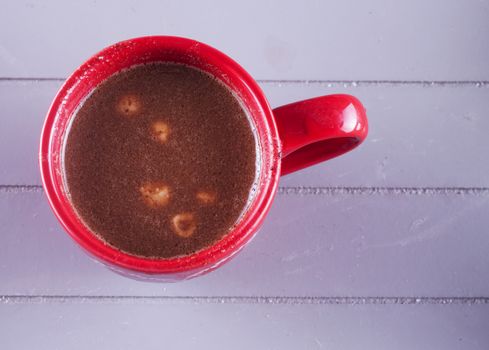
155	194
184	224
160	131
206	197
129	105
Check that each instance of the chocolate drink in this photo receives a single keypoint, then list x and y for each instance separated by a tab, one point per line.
160	160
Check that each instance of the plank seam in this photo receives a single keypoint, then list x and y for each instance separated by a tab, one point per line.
328	191
20	188
410	191
360	83
329	83
273	300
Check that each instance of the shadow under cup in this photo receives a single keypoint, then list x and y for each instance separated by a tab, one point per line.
160	49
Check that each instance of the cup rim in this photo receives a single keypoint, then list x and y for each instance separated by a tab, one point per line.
203	260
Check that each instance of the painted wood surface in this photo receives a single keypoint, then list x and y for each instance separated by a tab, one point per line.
189	325
334	244
420	135
386	247
312	39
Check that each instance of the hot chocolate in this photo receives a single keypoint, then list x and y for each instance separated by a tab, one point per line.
160	160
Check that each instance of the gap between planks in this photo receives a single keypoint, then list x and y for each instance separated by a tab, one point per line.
106	299
327	191
328	83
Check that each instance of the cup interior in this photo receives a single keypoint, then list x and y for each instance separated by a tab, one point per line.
145	50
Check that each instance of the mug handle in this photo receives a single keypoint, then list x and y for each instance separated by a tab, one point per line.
319	129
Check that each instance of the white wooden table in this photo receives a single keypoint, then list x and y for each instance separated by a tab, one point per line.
384	248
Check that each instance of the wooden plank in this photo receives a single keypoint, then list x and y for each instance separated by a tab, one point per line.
336	244
25	105
242	326
419	135
375	39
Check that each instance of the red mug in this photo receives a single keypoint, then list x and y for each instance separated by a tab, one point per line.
290	138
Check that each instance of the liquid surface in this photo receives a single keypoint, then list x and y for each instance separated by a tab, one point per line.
160	160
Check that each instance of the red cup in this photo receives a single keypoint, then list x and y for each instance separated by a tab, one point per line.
290	138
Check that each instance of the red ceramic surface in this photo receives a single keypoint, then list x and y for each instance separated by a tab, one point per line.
290	138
